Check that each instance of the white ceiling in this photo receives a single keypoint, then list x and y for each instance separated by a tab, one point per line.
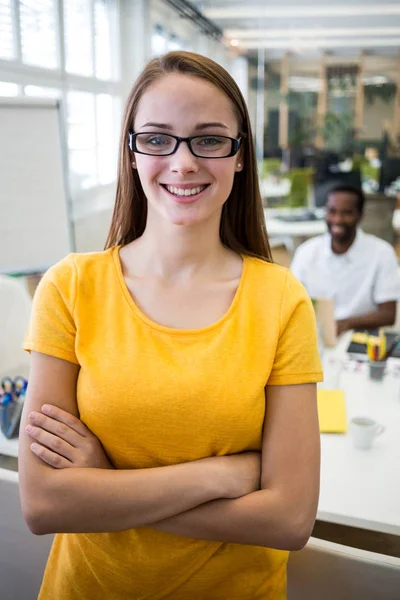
308	28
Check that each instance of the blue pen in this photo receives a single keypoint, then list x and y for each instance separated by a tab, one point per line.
20	385
7	386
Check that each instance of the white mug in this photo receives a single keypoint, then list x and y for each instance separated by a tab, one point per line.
364	431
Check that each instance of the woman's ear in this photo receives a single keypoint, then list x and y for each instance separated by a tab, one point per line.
239	161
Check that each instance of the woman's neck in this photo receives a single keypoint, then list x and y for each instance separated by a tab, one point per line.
177	251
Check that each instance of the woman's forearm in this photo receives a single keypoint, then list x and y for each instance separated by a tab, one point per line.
97	500
261	518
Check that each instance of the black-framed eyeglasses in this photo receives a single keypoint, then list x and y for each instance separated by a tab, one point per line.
202	146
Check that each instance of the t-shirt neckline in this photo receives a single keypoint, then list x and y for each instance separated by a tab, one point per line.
171	330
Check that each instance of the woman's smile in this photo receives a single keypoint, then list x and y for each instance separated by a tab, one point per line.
185	193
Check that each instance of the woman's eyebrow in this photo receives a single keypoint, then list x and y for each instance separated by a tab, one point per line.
198	127
201	126
158	125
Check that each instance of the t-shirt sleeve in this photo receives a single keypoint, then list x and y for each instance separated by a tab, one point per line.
297	357
387	284
52	327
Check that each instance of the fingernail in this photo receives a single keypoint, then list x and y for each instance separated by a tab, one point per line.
46	408
28	429
34	447
33	415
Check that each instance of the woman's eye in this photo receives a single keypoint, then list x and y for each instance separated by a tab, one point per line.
157	140
211	141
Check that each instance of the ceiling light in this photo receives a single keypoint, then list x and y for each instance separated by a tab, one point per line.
270	12
311	32
324	43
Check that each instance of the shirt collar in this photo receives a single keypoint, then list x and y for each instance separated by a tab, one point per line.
351	252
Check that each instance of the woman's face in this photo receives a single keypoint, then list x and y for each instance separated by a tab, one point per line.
185	106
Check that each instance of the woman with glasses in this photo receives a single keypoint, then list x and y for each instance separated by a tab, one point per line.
170	434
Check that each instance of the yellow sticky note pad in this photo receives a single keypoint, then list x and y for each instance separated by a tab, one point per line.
332	411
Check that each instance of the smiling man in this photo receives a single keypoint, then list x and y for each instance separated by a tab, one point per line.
356	270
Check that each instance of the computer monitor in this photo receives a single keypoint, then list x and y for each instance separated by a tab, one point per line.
352	178
325	163
390	171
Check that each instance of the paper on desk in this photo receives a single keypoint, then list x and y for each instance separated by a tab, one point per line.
332	411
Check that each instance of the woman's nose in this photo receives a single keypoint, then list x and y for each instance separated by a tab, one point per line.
183	161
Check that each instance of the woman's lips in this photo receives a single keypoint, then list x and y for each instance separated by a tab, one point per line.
176	192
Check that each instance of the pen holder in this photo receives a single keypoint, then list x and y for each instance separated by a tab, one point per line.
10	418
377	370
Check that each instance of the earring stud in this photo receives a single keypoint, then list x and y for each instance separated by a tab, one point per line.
239	165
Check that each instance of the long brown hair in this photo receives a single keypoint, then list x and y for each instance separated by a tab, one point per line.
242	227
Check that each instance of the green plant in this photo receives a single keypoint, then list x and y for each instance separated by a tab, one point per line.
300	182
343	83
368	172
385	92
337	129
270	166
302	134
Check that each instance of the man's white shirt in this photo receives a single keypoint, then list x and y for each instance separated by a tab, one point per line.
357	281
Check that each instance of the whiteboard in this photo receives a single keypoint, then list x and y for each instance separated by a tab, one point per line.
35	215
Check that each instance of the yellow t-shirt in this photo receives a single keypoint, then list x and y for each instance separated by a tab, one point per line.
158	396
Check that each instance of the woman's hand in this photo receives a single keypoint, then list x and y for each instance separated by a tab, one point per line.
241	473
63	441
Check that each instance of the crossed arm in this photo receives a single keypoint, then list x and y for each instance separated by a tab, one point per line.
268	500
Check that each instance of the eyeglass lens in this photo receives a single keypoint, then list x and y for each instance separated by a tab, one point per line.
203	146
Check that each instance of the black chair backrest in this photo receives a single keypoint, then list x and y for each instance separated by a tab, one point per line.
390	171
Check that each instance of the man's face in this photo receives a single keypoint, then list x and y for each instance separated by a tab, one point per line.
342	216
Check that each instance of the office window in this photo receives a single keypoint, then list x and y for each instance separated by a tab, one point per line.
78	37
174	43
158	41
39	33
102	38
7	48
41	91
82	139
8	89
90	34
106	143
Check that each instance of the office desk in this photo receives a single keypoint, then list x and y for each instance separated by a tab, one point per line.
272	188
297	231
302	230
8	447
360	490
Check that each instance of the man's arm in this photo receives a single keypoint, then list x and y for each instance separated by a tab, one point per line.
384	316
281	515
385	293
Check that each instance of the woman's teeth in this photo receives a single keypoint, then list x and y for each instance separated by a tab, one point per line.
186	192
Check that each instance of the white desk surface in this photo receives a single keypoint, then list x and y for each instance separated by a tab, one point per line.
361	488
8	447
305	229
276	227
271	188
